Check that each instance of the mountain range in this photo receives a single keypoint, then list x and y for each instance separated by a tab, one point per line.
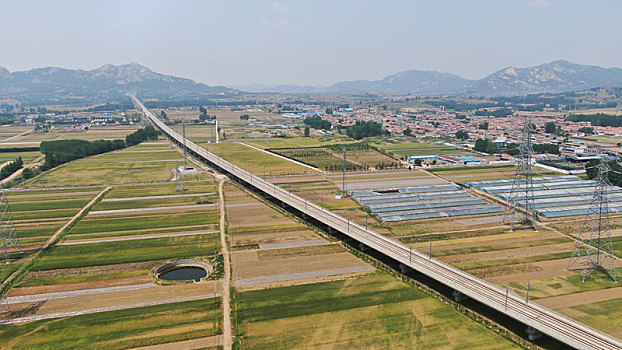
54	85
104	83
556	76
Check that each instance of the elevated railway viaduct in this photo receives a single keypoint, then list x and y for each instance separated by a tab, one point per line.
534	316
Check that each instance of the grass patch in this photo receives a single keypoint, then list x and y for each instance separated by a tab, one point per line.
154	203
96	223
71	256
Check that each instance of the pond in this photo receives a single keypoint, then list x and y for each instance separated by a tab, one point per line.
186	273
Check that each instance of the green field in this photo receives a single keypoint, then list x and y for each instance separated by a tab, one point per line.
151	203
161	190
118	329
70	256
27	157
400	147
256	161
296	142
375	311
132	221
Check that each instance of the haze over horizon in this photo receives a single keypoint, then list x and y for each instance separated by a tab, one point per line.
308	43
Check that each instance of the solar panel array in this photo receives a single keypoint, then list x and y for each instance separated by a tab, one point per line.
555	196
423	202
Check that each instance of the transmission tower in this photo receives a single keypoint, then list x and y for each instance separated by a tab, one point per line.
520	208
8	235
594	250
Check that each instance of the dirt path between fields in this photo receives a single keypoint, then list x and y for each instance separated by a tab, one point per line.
226	296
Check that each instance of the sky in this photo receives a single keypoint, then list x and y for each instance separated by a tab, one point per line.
308	42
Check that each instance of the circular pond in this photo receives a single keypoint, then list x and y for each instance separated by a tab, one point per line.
184	270
186	273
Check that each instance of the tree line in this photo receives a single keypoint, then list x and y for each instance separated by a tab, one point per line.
598	119
12	167
148	133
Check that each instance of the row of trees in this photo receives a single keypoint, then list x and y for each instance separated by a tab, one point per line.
148	133
599	119
63	151
12	167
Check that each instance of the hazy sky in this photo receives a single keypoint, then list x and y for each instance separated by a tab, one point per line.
229	42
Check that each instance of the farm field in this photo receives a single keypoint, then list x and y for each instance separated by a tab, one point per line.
140	163
27	156
38	214
9	131
270	249
404	147
198	133
255	161
358	157
103	267
134	327
292	286
373	311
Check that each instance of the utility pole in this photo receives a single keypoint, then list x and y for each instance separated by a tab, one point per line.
184	138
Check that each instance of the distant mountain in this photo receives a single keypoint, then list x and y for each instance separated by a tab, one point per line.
557	76
285	88
104	83
412	81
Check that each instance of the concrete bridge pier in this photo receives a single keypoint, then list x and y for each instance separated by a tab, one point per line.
458	297
363	247
533	333
405	269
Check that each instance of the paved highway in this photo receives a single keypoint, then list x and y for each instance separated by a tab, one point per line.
547	321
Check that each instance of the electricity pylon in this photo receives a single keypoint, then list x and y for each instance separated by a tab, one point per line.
8	235
521	209
594	250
